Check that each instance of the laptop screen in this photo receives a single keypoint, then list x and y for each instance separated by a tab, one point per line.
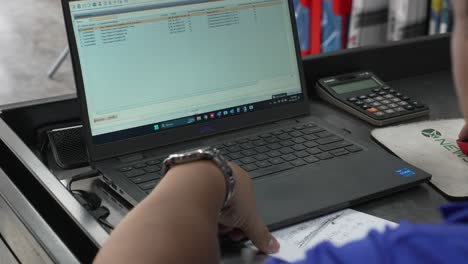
154	65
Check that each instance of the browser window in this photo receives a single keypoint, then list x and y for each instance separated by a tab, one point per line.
153	65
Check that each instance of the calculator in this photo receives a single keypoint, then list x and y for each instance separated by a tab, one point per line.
364	95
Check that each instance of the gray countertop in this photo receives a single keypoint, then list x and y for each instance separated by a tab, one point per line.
418	204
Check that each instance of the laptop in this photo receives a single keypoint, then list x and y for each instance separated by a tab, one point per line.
155	77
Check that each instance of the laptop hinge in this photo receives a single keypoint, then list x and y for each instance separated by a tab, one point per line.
287	122
131	158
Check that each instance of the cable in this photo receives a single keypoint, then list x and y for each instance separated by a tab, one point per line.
101	214
43	150
82	176
105	223
90	201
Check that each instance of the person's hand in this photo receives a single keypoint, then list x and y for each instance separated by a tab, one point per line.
463	136
460	9
459	59
241	218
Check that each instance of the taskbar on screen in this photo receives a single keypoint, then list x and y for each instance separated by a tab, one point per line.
277	100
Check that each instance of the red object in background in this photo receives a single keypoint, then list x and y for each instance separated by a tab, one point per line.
340	7
343	8
463	146
315	26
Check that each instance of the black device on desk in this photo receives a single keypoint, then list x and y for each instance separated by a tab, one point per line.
364	95
68	147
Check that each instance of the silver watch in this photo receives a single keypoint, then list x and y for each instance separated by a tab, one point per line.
211	154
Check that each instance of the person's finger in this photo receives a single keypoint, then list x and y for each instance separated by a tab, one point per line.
258	233
464	133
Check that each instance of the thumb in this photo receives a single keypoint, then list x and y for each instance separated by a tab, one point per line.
258	233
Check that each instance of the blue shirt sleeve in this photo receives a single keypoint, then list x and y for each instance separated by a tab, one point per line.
409	243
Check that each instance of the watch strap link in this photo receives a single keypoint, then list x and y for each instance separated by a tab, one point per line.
211	154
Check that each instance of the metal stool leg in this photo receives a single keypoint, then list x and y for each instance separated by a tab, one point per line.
58	63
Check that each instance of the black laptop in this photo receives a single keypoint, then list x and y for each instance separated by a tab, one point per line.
156	77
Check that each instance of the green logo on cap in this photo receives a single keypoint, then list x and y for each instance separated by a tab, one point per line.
431	133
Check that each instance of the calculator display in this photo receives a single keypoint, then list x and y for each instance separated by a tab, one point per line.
354	86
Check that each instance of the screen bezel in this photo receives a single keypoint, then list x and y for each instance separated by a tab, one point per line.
176	135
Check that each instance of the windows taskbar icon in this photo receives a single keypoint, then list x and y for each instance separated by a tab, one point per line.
202	117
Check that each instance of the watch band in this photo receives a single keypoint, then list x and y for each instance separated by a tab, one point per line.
211	154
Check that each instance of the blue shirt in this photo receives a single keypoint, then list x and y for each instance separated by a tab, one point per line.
409	243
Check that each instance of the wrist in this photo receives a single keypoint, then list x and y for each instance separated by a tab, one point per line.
200	183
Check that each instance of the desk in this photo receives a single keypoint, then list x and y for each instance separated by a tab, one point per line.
417	204
25	232
6	256
423	77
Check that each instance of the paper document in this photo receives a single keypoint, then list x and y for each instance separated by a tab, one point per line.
338	228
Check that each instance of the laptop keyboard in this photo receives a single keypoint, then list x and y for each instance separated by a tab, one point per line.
264	154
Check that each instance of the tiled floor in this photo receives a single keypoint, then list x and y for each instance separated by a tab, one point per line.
32	35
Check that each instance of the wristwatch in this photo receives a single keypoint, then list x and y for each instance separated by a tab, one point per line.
211	154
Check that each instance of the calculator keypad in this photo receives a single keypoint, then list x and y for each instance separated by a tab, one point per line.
385	103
